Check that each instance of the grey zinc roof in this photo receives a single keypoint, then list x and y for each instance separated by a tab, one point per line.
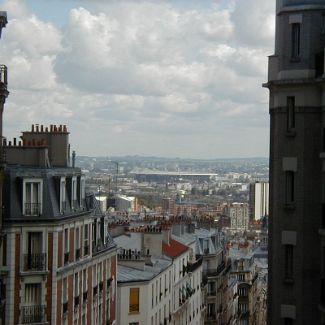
13	192
129	274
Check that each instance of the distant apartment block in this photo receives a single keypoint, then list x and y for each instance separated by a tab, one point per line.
258	200
238	214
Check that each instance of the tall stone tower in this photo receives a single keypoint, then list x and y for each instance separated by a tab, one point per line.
297	165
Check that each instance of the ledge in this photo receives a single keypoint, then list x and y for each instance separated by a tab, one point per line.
289	206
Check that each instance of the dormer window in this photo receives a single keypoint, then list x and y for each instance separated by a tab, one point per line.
74	202
32	196
63	190
82	190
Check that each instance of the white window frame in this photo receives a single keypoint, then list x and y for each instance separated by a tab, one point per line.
82	190
76	284
73	191
39	200
66	240
63	194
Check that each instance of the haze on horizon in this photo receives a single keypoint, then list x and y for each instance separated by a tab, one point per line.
149	78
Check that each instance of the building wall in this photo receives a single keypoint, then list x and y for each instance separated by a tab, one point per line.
295	165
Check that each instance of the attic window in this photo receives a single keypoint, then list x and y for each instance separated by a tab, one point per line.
32	197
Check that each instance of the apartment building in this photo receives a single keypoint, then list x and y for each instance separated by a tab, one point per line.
296	292
258	200
157	274
3	95
239	215
57	259
244	271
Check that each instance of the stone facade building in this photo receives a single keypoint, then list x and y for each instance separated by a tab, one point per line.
57	259
296	225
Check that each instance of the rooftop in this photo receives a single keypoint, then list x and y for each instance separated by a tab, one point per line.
174	249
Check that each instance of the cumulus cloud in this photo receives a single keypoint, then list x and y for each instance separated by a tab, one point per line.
134	77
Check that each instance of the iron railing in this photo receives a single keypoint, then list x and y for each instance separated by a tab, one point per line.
35	262
33	314
32	209
191	267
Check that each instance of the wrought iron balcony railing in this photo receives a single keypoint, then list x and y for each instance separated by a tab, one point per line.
32	209
33	314
35	262
191	267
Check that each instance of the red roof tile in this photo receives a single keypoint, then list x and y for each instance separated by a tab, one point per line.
174	248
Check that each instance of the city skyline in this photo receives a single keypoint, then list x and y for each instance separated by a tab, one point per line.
150	78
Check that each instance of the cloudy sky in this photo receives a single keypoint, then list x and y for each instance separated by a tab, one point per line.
177	78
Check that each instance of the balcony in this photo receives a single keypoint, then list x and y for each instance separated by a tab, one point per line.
32	209
86	250
33	314
34	262
4	78
77	253
191	267
85	296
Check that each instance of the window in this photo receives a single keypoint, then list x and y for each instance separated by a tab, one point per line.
84	281
34	259
32	294
77	243
62	195
100	275
86	239
288	261
74	202
82	190
134	300
76	284
295	41
241	276
66	245
290	113
32	197
290	186
64	295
